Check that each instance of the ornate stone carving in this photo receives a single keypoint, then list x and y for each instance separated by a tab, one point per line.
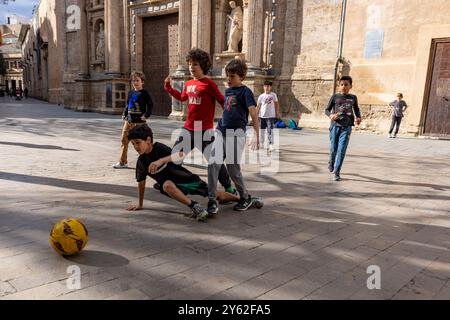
234	29
100	43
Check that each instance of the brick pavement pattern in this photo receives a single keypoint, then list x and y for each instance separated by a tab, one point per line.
314	238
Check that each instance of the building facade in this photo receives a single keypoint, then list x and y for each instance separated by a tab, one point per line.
42	46
303	45
12	56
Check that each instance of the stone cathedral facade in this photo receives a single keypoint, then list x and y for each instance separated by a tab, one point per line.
80	53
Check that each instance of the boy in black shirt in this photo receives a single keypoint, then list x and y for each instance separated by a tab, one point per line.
138	109
156	160
342	109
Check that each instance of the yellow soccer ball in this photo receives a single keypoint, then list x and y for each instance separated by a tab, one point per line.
68	237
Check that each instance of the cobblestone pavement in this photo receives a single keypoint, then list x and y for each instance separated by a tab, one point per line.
314	238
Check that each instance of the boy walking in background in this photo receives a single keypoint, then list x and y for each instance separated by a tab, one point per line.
201	94
138	109
268	111
399	106
229	142
342	110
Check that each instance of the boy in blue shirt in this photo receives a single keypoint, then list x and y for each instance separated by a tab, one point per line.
138	109
229	138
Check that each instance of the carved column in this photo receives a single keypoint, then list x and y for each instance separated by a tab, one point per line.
220	28
201	24
253	33
184	35
83	40
113	34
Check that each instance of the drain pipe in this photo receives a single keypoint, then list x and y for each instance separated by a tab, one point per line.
340	58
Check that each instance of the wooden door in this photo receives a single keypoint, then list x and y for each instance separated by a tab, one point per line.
160	48
437	119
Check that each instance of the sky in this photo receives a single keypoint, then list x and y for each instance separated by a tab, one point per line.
22	8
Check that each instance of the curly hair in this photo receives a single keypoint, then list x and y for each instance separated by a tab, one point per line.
238	67
200	56
138	74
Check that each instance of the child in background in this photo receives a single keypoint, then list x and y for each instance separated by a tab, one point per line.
138	109
268	111
399	106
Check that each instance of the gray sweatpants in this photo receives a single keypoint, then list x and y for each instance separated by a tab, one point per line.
231	149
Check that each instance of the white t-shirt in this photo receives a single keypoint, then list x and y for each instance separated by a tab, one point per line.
267	101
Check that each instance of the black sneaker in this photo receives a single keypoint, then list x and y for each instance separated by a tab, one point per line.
244	204
157	186
337	177
213	208
199	213
257	202
330	166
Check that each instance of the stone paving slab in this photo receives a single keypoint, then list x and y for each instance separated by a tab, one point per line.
314	238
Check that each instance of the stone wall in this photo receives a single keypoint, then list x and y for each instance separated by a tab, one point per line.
386	46
44	47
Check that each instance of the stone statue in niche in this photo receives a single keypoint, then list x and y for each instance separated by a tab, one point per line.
234	30
100	43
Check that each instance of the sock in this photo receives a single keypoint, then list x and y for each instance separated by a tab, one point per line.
192	204
230	189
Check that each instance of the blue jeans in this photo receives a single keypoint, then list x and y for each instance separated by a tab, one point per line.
339	138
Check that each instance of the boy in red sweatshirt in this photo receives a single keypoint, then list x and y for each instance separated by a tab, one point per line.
201	94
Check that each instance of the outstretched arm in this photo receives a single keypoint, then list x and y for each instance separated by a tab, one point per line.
173	92
141	191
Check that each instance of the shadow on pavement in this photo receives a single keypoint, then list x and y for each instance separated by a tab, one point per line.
98	259
36	146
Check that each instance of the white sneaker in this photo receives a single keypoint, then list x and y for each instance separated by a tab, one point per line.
390	136
119	165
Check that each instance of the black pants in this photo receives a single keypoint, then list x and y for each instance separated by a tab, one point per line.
190	144
395	122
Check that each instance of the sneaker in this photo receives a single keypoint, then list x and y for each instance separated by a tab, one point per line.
119	165
199	213
257	202
394	136
213	208
337	177
330	166
157	186
270	148
389	135
244	204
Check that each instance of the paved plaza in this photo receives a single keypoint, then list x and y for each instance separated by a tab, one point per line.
314	238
